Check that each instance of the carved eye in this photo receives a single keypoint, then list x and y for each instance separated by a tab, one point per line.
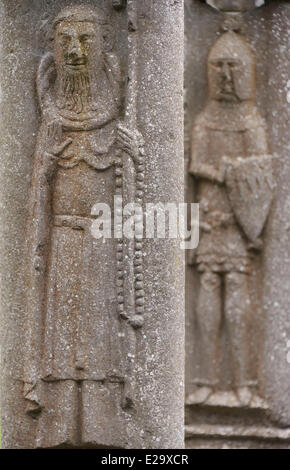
65	38
217	65
85	38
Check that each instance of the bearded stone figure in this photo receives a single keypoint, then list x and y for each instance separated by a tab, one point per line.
73	377
233	172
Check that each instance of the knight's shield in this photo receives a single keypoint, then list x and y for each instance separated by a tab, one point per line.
250	184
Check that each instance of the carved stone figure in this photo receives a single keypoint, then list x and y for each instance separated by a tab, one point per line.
233	171
74	374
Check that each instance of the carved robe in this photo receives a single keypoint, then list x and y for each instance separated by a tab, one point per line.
73	368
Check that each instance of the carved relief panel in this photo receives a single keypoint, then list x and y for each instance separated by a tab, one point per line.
231	177
86	294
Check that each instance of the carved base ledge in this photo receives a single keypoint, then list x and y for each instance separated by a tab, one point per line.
223	422
228	400
205	435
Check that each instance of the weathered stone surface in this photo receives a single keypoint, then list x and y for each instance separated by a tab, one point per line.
235	5
132	396
218	418
124	402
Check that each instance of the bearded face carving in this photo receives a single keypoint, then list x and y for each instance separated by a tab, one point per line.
79	60
82	75
73	365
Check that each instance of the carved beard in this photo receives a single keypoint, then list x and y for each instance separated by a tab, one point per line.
75	92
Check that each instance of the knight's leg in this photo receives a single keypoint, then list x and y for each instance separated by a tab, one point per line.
237	310
209	320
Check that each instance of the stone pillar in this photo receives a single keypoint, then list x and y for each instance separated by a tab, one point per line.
277	253
161	124
148	395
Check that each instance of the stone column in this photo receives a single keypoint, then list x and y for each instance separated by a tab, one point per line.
161	124
277	253
154	56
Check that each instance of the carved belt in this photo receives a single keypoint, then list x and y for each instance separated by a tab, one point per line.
73	221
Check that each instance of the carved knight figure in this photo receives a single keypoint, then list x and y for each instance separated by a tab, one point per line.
73	375
232	167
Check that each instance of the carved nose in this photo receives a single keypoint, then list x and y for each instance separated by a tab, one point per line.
76	50
226	71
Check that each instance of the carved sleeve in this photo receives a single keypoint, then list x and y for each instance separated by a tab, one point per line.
44	168
257	141
44	79
36	260
199	150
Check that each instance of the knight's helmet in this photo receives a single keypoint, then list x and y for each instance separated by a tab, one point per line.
232	49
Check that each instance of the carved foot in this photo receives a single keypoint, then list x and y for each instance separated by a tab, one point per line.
199	396
259	402
223	398
244	395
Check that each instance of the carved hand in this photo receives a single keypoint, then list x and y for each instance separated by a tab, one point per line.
130	141
221	175
225	164
226	161
209	172
54	143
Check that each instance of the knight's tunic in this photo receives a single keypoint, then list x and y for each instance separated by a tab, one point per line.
223	245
